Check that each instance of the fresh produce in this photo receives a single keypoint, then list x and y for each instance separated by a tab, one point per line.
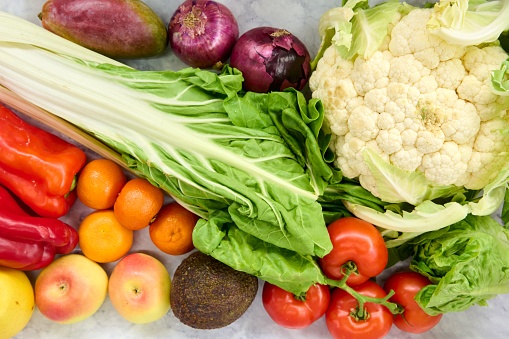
71	245
37	166
406	284
291	312
16	302
412	112
250	252
358	250
202	33
251	165
116	28
271	59
139	288
207	294
138	203
99	183
103	239
16	224
25	255
347	318
70	289
172	229
465	262
30	242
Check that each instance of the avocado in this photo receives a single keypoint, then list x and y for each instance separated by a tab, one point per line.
207	294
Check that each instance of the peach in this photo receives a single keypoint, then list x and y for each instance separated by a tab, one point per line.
71	289
139	288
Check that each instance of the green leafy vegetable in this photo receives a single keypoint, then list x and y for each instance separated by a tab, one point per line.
223	239
467	262
251	165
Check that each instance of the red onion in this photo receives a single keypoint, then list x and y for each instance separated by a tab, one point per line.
271	59
202	33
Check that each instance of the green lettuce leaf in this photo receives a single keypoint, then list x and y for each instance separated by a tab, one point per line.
467	262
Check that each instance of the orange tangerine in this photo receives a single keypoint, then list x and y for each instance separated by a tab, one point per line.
138	203
99	183
102	238
172	229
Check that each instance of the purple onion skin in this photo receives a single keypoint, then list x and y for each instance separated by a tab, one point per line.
271	59
202	33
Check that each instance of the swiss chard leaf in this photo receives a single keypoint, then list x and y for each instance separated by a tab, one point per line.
262	158
222	239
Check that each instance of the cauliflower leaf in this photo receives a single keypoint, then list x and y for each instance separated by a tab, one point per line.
469	23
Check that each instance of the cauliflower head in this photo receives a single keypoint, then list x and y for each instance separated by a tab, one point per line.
421	104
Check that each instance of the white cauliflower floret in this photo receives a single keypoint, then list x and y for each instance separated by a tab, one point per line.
449	74
442	167
363	123
409	38
407	69
371	73
419	103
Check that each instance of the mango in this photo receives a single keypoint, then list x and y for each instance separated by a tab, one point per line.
121	29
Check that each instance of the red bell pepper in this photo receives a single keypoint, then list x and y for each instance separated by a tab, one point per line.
48	255
18	254
73	241
29	191
16	224
29	242
37	166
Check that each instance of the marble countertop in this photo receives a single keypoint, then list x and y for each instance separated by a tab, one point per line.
301	18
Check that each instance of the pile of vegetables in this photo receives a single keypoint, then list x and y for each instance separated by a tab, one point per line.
407	129
250	164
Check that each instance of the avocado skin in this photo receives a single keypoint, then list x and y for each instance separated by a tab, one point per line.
207	294
123	29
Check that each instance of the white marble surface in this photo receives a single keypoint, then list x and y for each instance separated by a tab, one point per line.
301	18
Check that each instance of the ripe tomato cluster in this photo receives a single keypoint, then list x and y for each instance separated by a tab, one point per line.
355	306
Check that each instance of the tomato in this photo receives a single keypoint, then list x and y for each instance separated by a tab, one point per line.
405	286
343	323
358	241
288	311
